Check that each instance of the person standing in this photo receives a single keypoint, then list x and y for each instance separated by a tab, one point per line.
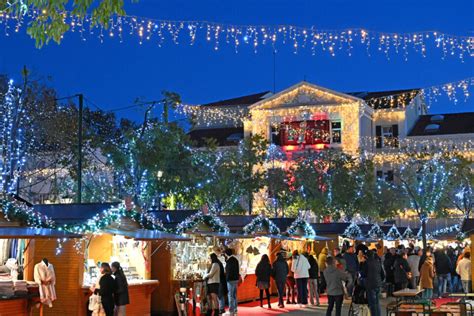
414	263
300	268
232	274
213	282
464	271
401	271
322	266
280	272
107	289
427	276
373	275
313	280
352	267
222	287
290	284
443	271
263	273
334	285
121	289
389	259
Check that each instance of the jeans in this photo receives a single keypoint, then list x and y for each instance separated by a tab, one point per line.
281	291
232	288
350	285
443	281
373	296
466	286
221	296
456	284
427	293
334	299
313	291
302	289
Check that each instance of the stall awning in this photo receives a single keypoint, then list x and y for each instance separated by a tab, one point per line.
147	235
281	237
317	238
226	235
34	233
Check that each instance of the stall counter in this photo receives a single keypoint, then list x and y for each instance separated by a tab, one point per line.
140	296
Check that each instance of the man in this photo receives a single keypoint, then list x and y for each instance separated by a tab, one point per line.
401	270
334	286
352	267
464	271
300	267
222	287
313	279
232	273
443	271
340	262
414	262
389	259
280	273
372	273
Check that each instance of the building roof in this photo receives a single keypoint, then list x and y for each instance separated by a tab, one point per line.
228	136
243	100
382	100
72	213
468	226
452	123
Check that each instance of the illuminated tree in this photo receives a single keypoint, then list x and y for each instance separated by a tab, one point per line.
461	187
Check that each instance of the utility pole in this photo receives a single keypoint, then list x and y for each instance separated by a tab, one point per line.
79	148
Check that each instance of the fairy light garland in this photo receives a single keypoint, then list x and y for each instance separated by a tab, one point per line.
193	222
376	232
393	233
352	231
330	42
17	211
261	224
453	229
408	234
300	225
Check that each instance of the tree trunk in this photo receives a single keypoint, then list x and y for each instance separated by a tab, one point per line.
423	234
250	202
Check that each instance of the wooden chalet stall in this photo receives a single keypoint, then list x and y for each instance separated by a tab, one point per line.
111	233
18	255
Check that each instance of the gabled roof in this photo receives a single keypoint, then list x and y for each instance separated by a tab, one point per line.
243	100
72	213
325	94
228	136
381	99
453	123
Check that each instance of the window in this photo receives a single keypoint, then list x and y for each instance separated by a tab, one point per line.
386	136
336	132
387	175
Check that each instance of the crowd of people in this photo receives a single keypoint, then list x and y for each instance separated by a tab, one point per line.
355	272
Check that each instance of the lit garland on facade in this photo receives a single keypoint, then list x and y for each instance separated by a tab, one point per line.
450	230
193	222
300	225
261	224
352	231
330	42
17	211
393	233
376	232
408	234
113	215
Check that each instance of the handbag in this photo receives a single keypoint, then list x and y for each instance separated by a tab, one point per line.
94	302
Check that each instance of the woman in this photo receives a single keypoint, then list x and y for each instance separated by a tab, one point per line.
290	284
300	268
280	273
106	289
426	277
263	272
313	280
213	281
401	271
121	290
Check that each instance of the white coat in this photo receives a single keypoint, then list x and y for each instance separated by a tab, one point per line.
300	267
214	275
46	279
464	269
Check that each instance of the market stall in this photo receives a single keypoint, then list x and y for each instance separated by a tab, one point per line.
182	265
20	231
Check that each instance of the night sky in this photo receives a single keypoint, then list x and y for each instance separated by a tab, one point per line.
114	74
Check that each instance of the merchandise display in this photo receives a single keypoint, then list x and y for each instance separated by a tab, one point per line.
190	260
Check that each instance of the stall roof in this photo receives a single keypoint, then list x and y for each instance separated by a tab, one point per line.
225	235
34	233
148	235
317	238
72	213
467	225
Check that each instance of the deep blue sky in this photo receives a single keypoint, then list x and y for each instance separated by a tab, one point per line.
113	74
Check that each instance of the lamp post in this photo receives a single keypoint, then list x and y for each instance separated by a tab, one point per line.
159	174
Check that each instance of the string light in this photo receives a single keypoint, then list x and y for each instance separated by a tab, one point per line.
376	232
330	42
352	231
193	222
261	224
17	211
393	233
408	234
300	225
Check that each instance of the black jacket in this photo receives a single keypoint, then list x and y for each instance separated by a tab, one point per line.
263	272
372	273
106	292
400	270
280	270
223	282
232	271
121	290
442	262
388	267
314	268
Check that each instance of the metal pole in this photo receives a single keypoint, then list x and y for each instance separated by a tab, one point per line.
79	149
